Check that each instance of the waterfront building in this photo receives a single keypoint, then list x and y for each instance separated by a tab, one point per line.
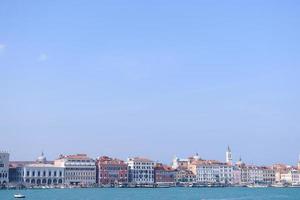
291	176
185	176
79	169
211	171
43	174
280	169
16	172
40	172
268	175
252	174
141	171
4	168
237	176
111	171
164	174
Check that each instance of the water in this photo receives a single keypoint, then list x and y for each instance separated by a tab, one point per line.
155	194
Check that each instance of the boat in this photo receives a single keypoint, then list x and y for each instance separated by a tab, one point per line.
19	196
257	186
295	185
278	185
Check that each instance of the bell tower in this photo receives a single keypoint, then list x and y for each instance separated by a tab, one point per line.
228	156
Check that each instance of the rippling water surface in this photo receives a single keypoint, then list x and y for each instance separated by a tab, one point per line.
153	194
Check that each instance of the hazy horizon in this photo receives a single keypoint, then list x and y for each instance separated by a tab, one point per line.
152	79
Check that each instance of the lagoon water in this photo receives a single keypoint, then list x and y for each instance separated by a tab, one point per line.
155	194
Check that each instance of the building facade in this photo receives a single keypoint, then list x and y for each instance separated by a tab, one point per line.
79	169
36	173
141	170
164	174
257	175
43	174
291	177
213	172
4	168
185	176
111	171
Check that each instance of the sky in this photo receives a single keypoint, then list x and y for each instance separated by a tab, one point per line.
153	78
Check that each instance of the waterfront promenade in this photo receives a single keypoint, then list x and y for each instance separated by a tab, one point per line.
162	194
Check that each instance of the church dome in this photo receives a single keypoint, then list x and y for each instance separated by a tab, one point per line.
196	157
41	158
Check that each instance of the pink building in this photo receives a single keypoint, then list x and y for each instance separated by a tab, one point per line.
111	171
164	174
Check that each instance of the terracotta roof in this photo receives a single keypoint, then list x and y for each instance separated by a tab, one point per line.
22	163
161	166
76	156
108	160
207	162
41	165
139	159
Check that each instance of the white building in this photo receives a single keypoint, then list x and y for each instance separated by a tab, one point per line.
42	173
214	172
141	170
4	168
291	177
79	169
257	175
237	176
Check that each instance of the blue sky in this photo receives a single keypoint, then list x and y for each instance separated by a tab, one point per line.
151	78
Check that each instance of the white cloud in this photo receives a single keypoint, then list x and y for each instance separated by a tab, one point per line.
42	57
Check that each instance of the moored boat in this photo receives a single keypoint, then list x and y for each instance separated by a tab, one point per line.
19	196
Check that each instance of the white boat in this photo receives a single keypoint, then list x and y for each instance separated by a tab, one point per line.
295	185
278	185
19	196
257	186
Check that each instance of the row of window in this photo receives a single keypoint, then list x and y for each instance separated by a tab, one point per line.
141	176
141	167
113	168
80	178
80	161
142	171
81	169
44	173
80	173
113	175
3	175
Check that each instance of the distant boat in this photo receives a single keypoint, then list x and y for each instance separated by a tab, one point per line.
19	196
278	185
295	185
257	186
